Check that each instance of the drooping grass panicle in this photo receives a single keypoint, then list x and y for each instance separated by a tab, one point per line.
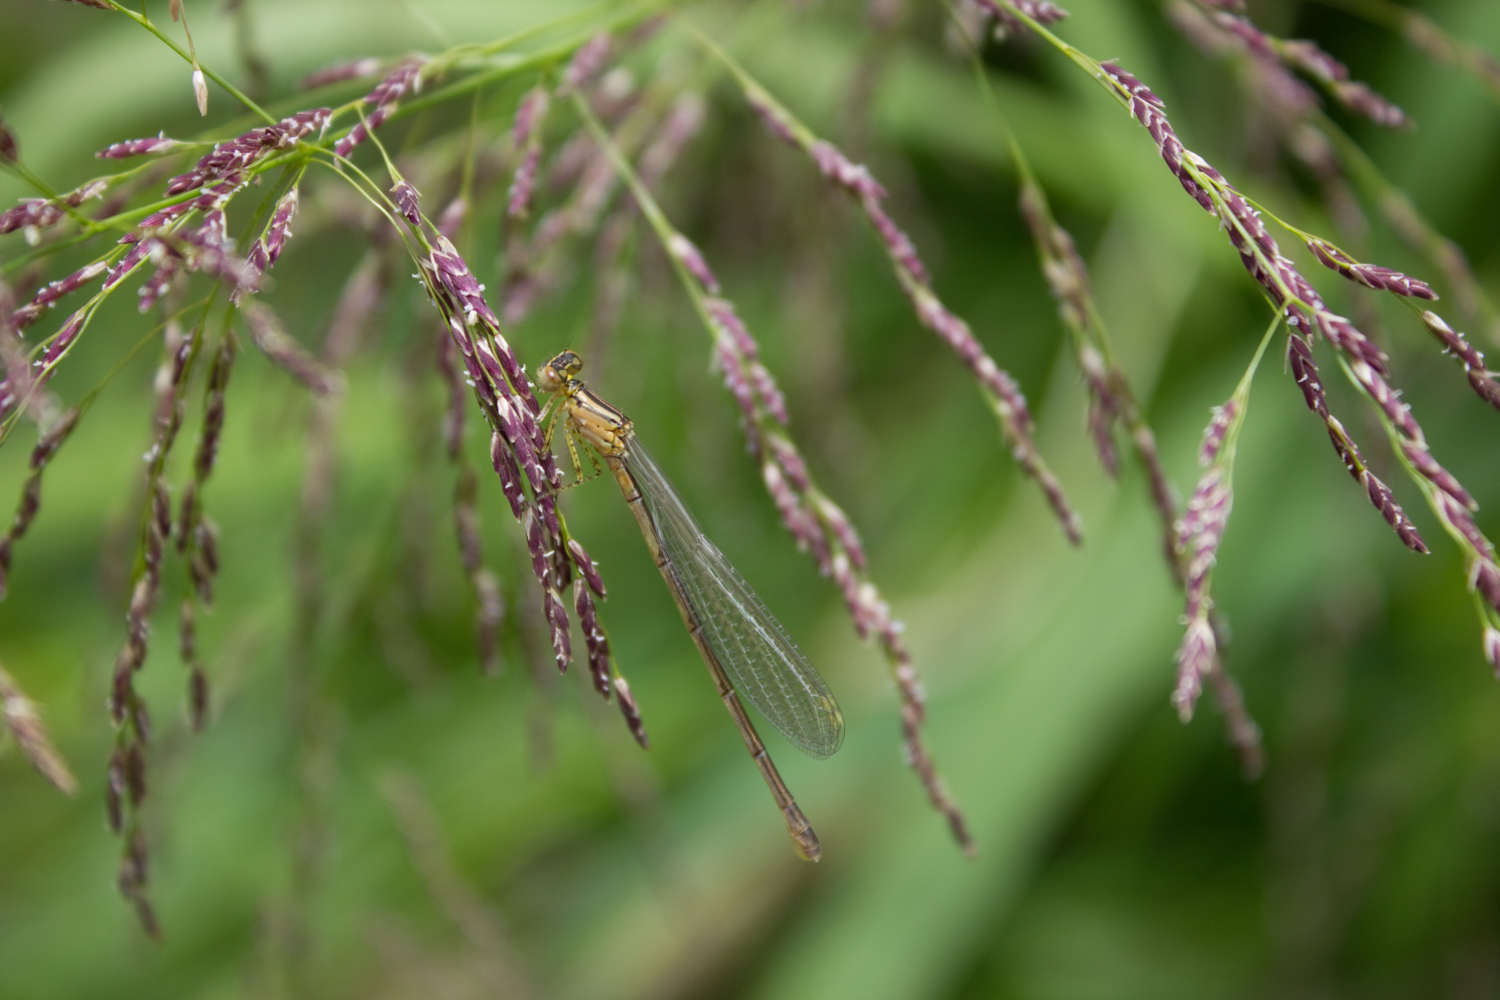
47	444
137	147
1200	530
126	788
1416	231
197	535
280	348
1309	59
814	520
1004	25
1288	292
585	64
1303	309
1112	401
32	216
1305	314
526	138
587	585
490	611
1305	372
267	247
406	77
24	723
1339	162
521	456
1483	381
1425	35
1455	511
1369	275
1000	390
351	69
48	297
535	264
518	448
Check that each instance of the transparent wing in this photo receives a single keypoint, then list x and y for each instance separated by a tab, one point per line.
765	665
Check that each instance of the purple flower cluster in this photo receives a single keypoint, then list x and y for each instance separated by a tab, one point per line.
35	214
405	77
224	169
19	717
1199	533
1303	308
738	357
286	353
1000	388
585	64
1309	58
588	586
1482	380
1040	11
337	73
49	295
136	147
31	493
268	247
1369	275
526	138
490	612
518	446
815	522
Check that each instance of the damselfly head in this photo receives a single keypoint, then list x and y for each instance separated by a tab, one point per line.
555	374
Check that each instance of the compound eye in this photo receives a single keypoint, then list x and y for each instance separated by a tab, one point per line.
547	377
568	363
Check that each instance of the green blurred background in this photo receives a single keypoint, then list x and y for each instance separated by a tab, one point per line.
367	815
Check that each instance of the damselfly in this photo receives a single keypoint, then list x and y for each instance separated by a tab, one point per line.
745	648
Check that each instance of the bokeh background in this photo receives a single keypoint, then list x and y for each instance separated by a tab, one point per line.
368	815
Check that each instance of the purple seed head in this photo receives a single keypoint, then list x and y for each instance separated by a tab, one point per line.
790	460
523	184
852	177
529	116
136	147
405	77
408	201
339	72
1196	657
632	713
683	120
1040	11
728	323
1360	99
32	214
771	116
838	523
586	566
280	229
48	296
689	256
586	63
1213	434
